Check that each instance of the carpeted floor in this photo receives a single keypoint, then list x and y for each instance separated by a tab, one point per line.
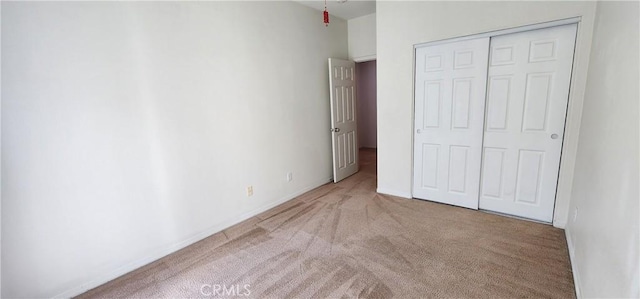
345	240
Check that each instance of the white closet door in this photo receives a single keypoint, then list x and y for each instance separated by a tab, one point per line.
449	109
528	89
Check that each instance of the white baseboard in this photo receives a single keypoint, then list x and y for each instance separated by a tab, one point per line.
574	266
559	222
162	252
394	193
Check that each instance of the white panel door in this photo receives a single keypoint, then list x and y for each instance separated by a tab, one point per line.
343	118
449	109
528	89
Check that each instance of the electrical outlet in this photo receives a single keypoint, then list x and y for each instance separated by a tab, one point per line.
575	214
289	176
250	191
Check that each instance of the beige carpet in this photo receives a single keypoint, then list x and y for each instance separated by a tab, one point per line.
344	240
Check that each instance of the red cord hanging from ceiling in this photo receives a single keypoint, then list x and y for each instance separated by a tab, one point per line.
326	14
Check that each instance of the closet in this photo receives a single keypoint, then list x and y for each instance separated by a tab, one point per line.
489	120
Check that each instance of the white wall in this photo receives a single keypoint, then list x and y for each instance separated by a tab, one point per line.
401	25
132	129
604	241
362	38
366	102
0	152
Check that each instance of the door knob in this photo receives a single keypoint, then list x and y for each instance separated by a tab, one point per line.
418	131
554	136
335	130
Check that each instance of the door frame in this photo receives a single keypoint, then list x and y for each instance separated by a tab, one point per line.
572	119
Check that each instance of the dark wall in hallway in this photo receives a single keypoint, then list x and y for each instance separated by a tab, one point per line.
366	93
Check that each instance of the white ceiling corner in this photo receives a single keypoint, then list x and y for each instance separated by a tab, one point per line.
345	10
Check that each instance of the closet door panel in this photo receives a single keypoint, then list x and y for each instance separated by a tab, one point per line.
528	88
450	91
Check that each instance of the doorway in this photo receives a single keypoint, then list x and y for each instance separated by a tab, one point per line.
353	113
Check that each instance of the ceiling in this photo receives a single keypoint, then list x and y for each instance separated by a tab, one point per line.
347	10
